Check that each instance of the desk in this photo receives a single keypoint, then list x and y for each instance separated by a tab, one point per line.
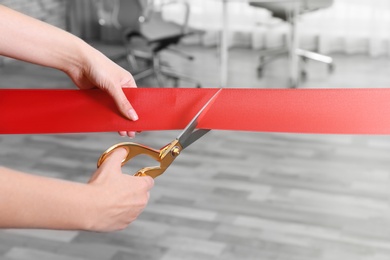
294	42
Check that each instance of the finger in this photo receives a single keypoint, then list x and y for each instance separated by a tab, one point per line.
145	181
114	160
129	83
148	182
122	133
131	134
111	165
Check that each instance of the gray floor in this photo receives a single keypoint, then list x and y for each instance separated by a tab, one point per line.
232	195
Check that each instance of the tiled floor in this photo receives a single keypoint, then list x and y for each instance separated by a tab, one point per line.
231	195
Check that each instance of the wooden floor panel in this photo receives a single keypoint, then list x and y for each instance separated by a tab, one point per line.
231	195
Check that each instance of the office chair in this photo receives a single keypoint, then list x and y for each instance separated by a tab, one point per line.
146	34
285	11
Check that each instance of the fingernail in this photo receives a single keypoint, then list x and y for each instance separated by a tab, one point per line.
133	115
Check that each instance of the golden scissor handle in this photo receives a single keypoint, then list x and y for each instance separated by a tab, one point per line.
164	156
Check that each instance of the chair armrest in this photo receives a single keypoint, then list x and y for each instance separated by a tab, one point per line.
316	4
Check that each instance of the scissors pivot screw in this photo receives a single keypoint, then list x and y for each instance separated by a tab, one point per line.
175	151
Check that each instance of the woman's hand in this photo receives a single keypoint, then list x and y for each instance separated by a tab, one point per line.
110	201
53	47
118	198
99	71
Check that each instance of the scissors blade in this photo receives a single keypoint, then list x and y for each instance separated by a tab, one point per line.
188	136
193	137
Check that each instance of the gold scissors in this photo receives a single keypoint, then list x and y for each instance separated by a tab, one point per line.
166	155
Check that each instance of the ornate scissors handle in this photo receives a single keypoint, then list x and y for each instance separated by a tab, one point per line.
164	156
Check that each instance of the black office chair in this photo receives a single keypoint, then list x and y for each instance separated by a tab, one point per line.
285	11
146	34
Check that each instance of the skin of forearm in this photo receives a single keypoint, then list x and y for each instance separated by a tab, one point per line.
31	40
30	201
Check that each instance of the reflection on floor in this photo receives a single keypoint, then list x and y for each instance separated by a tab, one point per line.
231	195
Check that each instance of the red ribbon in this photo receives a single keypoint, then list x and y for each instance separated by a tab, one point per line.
330	111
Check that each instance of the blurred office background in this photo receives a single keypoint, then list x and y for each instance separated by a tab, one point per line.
231	195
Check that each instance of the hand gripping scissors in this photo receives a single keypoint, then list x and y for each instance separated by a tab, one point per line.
166	155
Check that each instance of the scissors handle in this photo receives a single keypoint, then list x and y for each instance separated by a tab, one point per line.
133	150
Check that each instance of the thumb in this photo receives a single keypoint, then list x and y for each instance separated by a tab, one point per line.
123	103
113	162
111	166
